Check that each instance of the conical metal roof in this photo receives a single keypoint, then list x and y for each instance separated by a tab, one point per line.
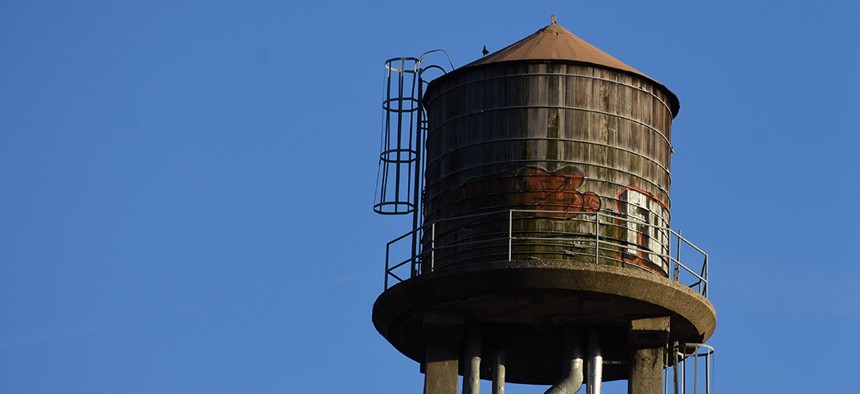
555	43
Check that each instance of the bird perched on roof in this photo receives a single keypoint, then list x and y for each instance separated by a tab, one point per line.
485	51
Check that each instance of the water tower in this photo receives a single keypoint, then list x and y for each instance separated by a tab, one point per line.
538	181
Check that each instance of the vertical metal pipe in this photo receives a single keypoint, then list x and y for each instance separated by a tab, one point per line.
510	232
708	373
595	362
684	370
472	362
571	382
675	367
499	372
666	373
696	371
416	196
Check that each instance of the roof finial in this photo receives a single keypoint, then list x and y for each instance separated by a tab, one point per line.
552	18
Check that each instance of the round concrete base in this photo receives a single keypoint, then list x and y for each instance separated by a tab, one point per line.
522	306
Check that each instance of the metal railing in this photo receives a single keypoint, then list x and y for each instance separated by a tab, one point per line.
598	237
689	369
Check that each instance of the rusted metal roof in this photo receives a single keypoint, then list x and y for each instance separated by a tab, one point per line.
554	42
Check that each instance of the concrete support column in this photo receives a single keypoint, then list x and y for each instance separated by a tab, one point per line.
646	371
648	339
442	336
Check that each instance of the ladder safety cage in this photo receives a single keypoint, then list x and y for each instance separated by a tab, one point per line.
399	146
400	181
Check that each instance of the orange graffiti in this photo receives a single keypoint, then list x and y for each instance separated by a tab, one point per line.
556	190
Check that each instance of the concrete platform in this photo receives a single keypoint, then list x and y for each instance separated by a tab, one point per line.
523	305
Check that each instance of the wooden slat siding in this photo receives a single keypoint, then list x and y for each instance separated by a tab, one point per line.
641	132
467	151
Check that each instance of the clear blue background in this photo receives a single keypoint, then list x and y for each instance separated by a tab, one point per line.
186	187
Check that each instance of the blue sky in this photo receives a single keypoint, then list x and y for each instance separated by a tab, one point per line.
186	187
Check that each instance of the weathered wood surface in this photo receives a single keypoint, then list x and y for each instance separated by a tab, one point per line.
492	128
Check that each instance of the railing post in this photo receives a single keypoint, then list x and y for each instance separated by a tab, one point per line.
596	238
510	233
705	293
432	246
677	272
419	260
387	253
416	252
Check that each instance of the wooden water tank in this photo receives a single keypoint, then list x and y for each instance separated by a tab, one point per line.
554	125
